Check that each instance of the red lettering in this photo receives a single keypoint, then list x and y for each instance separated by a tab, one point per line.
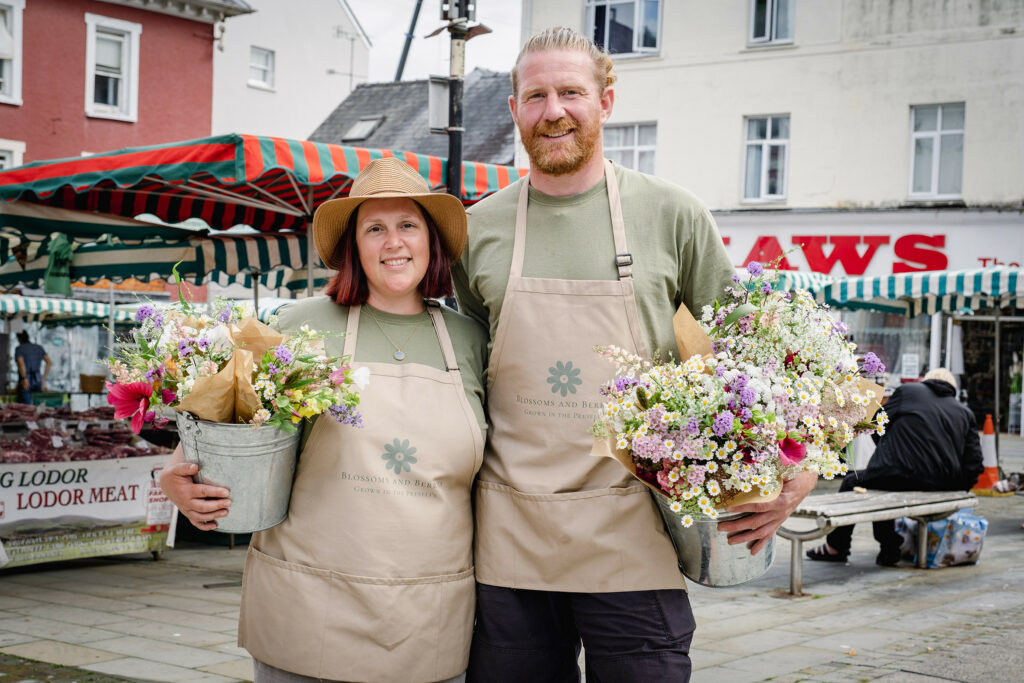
767	250
726	240
914	248
844	250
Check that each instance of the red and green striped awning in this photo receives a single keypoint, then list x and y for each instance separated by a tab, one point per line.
268	183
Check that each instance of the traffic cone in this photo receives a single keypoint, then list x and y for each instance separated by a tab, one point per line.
990	476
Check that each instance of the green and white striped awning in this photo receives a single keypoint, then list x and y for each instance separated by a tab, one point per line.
42	308
918	293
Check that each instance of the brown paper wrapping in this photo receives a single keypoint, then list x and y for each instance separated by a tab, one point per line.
229	395
691	339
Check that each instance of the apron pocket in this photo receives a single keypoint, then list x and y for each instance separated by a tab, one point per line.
597	541
283	613
384	629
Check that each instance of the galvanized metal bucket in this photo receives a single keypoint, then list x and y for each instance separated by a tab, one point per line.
704	553
256	463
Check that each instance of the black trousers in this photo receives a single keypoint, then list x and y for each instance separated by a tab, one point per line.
884	531
524	635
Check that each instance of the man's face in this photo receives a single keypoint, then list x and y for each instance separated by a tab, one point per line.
559	110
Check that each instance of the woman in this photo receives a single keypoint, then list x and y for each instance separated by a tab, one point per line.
370	578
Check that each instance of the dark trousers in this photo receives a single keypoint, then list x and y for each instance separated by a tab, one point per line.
524	635
884	531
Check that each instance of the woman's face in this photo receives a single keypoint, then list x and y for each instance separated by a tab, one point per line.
394	250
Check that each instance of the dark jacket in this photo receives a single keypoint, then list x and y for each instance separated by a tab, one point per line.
930	437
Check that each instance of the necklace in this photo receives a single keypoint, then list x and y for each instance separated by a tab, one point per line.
399	354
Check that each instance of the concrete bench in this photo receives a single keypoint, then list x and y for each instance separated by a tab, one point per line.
833	510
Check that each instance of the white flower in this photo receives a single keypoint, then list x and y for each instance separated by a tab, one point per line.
361	377
676	506
687	521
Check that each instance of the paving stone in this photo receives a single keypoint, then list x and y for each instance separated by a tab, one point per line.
147	670
701	658
83	600
860	640
843	619
156	650
780	661
240	669
10	638
71	615
755	643
54	630
55	652
173	616
171	633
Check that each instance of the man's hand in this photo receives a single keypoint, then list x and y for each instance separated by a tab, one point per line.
756	529
202	504
23	384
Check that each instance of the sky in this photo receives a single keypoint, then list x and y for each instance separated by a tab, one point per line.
387	21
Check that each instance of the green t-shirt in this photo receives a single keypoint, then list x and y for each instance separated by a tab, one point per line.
678	255
468	338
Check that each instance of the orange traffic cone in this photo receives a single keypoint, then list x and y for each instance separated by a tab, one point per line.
988	454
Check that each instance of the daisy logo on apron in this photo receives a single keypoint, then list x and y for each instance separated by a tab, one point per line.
398	456
564	378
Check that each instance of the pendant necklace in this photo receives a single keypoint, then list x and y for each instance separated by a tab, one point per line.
399	354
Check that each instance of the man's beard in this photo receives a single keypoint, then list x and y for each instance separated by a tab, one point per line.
566	157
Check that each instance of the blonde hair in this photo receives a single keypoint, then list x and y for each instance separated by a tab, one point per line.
561	38
942	374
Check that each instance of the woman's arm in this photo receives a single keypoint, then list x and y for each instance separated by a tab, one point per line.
203	504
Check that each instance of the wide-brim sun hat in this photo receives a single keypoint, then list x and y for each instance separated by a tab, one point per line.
383	179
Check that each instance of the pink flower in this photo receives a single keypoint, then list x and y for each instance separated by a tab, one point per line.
131	400
167	396
338	376
791	452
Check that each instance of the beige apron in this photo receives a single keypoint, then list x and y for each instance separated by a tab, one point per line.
549	515
370	578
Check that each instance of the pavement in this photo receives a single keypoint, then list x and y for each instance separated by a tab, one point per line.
128	617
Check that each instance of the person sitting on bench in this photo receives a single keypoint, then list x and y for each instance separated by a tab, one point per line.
930	444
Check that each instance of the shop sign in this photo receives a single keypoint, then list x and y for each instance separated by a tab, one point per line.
64	510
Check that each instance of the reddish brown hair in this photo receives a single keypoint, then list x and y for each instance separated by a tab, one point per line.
350	288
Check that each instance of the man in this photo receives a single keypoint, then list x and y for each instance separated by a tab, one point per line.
30	357
930	444
569	546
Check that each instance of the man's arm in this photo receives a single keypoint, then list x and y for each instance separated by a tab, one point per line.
22	374
766	519
46	371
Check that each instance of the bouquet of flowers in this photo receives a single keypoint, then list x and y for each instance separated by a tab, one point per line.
227	366
780	393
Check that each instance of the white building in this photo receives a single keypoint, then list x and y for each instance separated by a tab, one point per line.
286	66
881	135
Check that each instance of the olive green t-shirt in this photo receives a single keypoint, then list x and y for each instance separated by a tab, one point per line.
678	255
414	333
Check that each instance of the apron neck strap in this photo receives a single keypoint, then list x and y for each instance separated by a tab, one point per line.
441	330
351	328
623	259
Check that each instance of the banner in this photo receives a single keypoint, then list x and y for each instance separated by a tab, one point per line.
66	510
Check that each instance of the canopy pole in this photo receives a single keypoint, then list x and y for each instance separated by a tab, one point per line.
310	255
110	322
935	342
256	292
998	368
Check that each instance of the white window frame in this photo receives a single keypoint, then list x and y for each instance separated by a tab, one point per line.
271	72
772	14
128	108
936	136
16	8
14	150
636	147
766	143
638	50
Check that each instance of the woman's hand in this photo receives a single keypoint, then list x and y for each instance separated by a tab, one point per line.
202	504
759	527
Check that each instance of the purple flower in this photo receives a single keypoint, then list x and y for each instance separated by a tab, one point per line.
183	347
746	415
693	426
747	396
731	405
740	381
225	315
272	369
145	311
623	383
346	415
735	278
720	371
766	288
723	423
158	319
282	354
204	344
872	364
755	268
154	374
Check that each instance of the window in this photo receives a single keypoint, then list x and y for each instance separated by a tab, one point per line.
10	50
767	144
11	153
362	129
937	148
261	67
771	21
625	27
112	68
631	146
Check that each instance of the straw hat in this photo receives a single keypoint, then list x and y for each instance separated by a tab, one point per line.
381	179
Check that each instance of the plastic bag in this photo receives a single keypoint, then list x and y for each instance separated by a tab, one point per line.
952	541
